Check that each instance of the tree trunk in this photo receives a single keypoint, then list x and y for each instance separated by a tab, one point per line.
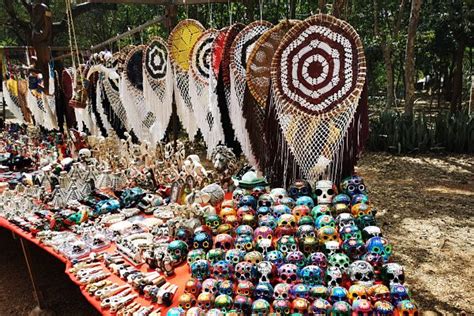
338	8
410	57
322	6
456	96
292	9
387	59
471	99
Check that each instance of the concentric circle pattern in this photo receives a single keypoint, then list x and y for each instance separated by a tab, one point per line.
156	56
243	45
319	64
201	56
181	41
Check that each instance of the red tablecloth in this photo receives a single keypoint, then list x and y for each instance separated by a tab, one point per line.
180	278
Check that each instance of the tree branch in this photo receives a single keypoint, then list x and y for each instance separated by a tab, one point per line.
81	9
398	21
10	9
27	6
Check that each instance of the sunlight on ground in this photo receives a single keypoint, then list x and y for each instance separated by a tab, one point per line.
446	190
444	165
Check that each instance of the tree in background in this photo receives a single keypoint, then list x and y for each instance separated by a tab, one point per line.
388	38
410	57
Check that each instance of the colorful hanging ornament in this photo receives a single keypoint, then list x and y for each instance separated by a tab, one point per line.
131	93
318	74
221	64
180	44
202	91
158	86
240	51
111	86
10	94
258	87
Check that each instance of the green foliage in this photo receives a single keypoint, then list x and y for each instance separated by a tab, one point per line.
394	132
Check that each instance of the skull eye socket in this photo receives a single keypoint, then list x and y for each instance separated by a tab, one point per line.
330	192
318	192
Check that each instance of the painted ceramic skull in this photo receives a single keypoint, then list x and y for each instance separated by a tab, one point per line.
361	272
333	276
325	191
299	188
282	291
288	273
392	274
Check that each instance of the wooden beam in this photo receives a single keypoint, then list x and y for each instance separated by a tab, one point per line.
118	37
128	33
22	48
162	2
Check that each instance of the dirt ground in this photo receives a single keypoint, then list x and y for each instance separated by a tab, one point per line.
426	210
425	206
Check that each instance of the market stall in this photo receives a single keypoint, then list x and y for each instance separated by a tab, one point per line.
146	227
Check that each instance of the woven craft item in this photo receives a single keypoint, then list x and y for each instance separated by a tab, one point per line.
217	50
99	71
43	108
223	81
158	86
240	51
318	73
112	93
202	90
180	44
131	92
11	99
258	86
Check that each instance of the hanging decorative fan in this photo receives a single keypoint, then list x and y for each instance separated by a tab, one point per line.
240	51
180	44
10	92
217	50
158	86
222	47
202	90
258	73
112	94
131	93
318	73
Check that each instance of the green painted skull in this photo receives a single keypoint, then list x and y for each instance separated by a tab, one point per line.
178	250
340	261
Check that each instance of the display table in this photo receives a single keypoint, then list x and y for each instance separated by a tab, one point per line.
181	276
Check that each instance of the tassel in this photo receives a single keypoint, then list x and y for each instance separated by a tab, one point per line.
254	116
281	168
229	134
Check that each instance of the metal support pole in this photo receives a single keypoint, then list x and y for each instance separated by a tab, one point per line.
36	291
